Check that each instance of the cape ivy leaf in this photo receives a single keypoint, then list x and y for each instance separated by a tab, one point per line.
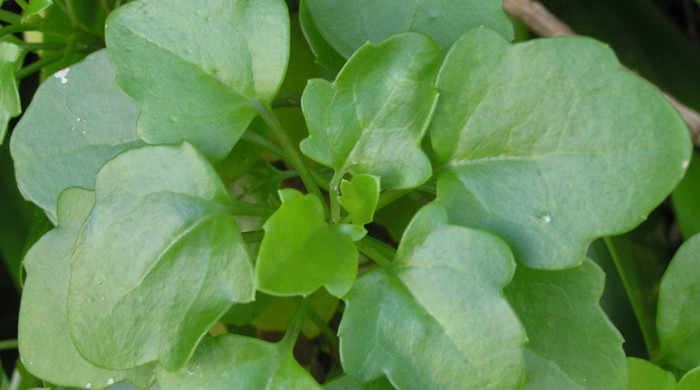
686	199
10	105
560	312
34	8
158	261
44	342
691	380
237	362
347	25
437	319
326	56
643	375
278	315
373	117
77	121
360	197
201	89
551	144
346	383
300	252
678	320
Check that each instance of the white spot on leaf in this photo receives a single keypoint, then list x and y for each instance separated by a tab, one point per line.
62	75
88	386
546	218
110	381
686	164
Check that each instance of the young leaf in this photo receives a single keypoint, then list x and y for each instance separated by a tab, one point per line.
44	342
643	375
301	252
691	380
200	89
278	315
437	318
550	144
238	363
10	105
77	121
158	261
686	199
359	197
373	117
678	320
561	314
347	25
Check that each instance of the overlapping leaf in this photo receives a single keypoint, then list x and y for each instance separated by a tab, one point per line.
237	362
550	144
437	318
643	375
301	252
157	262
678	319
10	105
45	344
77	121
345	383
201	89
359	197
373	117
560	312
347	25
686	199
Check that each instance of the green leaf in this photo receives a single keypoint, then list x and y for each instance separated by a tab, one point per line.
77	121
34	8
398	214
237	362
277	316
691	380
346	383
347	25
44	342
201	89
643	375
437	319
257	186
360	197
10	105
326	56
561	314
158	261
686	199
550	144
301	252
373	117
678	320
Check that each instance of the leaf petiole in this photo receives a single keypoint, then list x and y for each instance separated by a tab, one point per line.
376	250
10	17
292	333
36	66
8	344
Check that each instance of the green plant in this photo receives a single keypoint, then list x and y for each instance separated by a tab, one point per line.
185	204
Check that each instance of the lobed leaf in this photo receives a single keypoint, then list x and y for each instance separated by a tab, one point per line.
436	319
300	252
561	314
551	144
10	105
200	89
360	197
77	121
158	261
237	362
372	118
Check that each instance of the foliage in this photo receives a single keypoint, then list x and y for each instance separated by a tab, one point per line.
406	193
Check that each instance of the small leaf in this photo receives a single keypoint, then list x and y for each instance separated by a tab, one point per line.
561	314
301	252
346	383
200	89
278	315
34	8
551	144
691	380
686	199
437	319
238	363
77	121
10	105
44	342
643	375
360	197
158	261
373	117
347	25
678	320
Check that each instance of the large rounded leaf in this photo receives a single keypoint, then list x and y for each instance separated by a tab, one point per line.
347	25
561	314
77	121
157	262
44	342
437	318
551	144
201	89
373	117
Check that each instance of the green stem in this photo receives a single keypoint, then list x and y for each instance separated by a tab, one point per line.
256	210
326	330
17	28
290	337
286	99
10	17
294	155
41	46
36	66
633	290
376	250
334	193
257	139
388	197
8	344
253	237
70	49
21	3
